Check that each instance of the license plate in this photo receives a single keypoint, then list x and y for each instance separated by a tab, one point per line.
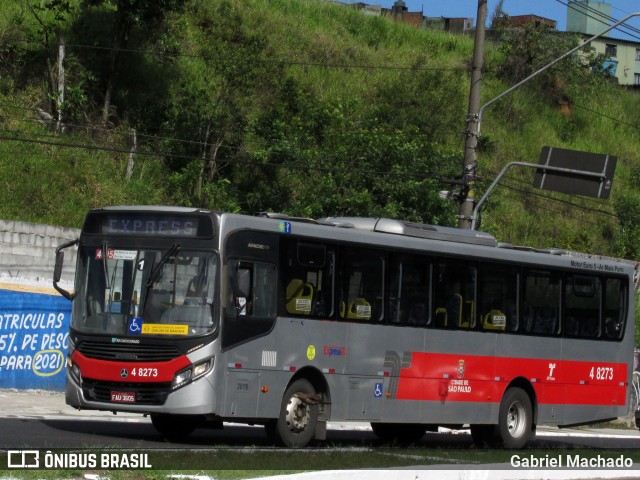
123	397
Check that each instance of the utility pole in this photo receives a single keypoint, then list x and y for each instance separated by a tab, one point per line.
467	197
468	214
60	96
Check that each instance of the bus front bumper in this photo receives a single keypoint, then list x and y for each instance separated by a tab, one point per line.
195	398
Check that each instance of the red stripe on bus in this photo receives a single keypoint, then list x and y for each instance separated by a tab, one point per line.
472	378
138	372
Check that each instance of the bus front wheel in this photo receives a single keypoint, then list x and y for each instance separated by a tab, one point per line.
296	425
515	421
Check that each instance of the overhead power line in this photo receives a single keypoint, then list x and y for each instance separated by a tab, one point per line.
273	61
601	17
563	201
517	196
330	169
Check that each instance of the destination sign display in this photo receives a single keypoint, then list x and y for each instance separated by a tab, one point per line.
149	224
156	226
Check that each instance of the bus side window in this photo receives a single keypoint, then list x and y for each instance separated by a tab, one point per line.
308	279
614	308
498	297
408	299
582	299
454	294
541	302
243	292
252	289
361	285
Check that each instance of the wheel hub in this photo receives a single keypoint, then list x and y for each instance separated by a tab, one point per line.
516	420
298	413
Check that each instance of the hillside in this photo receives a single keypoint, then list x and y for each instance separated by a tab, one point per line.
298	106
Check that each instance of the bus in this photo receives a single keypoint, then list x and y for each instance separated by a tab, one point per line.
196	318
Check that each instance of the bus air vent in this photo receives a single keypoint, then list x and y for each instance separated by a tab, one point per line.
128	352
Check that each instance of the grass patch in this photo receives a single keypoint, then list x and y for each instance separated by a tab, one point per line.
224	463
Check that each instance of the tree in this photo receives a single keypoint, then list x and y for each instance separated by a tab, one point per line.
212	103
50	16
124	16
527	49
324	157
498	16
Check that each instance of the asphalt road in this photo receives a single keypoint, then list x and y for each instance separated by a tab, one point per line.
110	432
40	420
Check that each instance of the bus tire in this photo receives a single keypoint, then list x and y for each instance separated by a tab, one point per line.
401	433
296	425
515	420
173	427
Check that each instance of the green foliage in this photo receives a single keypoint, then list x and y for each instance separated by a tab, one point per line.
627	207
528	49
346	154
299	106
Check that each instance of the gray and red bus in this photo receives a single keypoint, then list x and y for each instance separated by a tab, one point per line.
197	318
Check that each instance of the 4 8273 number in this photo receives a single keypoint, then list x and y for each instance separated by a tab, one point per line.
601	373
144	372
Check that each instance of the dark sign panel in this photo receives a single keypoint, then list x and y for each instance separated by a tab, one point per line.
164	226
149	224
576	182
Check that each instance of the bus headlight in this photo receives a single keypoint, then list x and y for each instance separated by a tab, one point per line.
74	371
202	368
182	378
191	373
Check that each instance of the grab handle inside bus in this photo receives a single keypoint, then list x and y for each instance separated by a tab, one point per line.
57	271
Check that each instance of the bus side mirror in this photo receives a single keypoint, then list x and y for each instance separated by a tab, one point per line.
57	270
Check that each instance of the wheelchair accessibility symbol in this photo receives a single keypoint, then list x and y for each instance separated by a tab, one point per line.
135	326
377	392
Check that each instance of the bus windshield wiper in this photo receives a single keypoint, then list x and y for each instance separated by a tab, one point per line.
104	265
155	273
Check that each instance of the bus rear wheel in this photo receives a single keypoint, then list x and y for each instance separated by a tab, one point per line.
402	433
515	421
173	426
296	425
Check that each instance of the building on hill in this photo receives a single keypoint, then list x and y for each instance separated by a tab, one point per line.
520	21
400	13
588	18
453	25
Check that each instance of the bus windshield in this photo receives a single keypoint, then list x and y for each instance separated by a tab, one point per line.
127	292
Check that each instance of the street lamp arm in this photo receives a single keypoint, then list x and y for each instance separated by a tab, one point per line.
549	65
536	166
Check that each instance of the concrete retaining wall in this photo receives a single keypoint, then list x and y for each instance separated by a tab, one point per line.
34	318
27	252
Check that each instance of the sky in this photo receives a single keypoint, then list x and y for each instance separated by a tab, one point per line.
553	9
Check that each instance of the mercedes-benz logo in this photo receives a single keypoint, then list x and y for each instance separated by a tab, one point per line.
124	373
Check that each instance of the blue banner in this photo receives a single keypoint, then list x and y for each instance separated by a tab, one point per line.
34	338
